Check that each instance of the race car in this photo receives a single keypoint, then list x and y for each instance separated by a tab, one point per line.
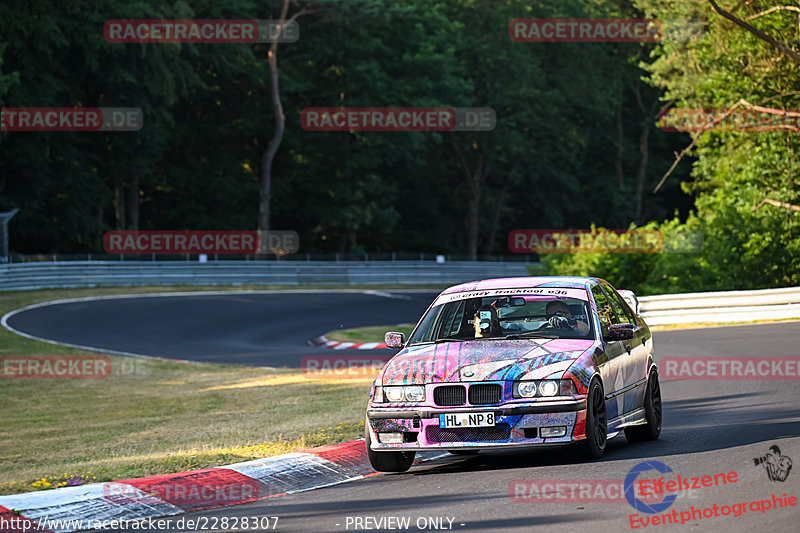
515	362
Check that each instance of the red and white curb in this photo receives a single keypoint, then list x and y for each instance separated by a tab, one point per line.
73	508
339	345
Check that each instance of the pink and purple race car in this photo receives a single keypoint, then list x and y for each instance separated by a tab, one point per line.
534	361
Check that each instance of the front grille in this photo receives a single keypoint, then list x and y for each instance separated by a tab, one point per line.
485	394
500	432
450	395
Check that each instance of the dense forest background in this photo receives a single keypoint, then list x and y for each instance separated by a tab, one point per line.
576	141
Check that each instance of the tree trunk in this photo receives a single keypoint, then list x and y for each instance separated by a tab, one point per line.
620	140
133	203
268	158
648	114
641	174
119	203
500	201
496	218
475	177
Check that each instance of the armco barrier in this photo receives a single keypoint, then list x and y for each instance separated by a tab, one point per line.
718	307
26	276
702	307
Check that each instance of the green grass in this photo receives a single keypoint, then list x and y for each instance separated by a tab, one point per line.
367	334
155	416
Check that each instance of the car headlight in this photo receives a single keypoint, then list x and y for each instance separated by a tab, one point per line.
548	388
544	388
527	389
414	393
409	393
394	394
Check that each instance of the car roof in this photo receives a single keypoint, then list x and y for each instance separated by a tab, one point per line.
574	282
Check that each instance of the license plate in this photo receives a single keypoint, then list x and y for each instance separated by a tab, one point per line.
466	420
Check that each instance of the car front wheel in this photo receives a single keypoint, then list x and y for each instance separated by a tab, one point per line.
387	461
596	422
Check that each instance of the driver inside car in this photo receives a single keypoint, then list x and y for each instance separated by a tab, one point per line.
559	316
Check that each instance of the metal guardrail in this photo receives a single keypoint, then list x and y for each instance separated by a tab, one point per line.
718	307
28	276
705	307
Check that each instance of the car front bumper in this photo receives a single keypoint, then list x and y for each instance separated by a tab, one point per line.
517	424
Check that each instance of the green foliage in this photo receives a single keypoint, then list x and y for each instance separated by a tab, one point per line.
575	144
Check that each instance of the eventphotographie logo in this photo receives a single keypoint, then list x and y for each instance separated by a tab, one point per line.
637	502
777	466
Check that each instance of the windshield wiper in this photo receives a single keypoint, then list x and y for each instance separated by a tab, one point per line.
448	339
531	334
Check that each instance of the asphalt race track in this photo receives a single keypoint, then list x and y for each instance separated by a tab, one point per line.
710	427
257	329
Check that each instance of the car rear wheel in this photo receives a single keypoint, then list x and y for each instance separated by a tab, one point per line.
596	422
387	461
652	413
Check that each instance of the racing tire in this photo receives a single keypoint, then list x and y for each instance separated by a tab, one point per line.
652	413
387	461
594	446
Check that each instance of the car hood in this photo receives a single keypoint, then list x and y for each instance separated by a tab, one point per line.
486	360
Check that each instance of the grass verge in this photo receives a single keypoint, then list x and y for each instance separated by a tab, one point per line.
155	416
367	334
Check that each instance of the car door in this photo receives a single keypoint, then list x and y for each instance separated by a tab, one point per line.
633	362
613	353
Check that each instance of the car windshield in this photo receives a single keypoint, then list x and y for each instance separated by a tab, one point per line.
505	317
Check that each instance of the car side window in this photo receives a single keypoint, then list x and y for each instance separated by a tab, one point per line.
604	311
623	314
450	322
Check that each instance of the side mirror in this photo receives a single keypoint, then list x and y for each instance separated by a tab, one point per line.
630	299
394	339
619	332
